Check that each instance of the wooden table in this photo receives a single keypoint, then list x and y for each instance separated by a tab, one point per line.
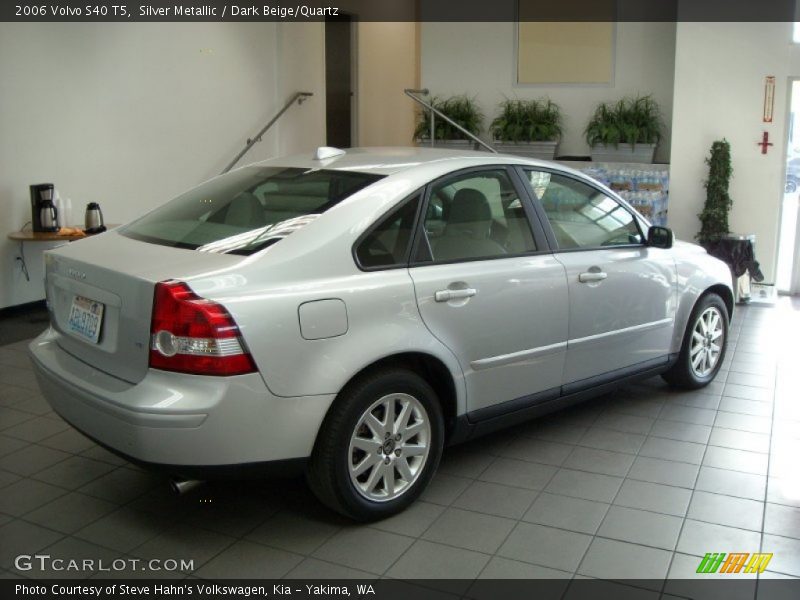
42	236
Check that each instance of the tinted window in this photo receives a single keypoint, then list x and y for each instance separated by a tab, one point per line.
246	210
387	245
582	216
476	215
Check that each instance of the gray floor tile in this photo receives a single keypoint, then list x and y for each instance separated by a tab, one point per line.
365	549
74	472
36	429
101	454
555	431
31	459
782	520
536	450
743	422
70	513
783	491
243	560
623	422
68	440
190	543
687	414
7	478
674	450
747	392
698	538
637	406
739	440
9	445
504	568
444	489
762	379
545	546
20	537
589	486
518	473
696	399
470	530
736	460
298	533
429	560
641	527
496	499
312	568
786	554
574	514
654	497
413	521
73	549
684	432
26	495
599	461
122	485
465	461
124	529
732	483
616	441
746	407
726	510
611	559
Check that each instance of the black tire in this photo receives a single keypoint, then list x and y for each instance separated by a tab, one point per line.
329	474
790	187
683	374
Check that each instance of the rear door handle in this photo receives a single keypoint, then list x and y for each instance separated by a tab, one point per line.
447	295
591	276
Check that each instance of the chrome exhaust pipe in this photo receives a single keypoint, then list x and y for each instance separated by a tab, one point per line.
183	486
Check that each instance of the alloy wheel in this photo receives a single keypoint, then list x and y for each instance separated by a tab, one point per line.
707	341
389	447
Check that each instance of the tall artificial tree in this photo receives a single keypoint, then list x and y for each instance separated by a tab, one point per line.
714	218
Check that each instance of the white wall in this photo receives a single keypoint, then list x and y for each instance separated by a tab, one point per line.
129	115
478	58
719	93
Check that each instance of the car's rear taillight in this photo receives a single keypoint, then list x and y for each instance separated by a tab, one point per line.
190	334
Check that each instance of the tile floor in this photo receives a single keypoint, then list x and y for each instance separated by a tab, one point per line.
637	484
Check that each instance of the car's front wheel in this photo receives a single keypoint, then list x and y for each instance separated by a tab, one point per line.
379	445
704	345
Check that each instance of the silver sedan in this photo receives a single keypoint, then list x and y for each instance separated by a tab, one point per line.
349	314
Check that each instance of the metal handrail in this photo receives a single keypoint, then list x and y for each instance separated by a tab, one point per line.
298	97
411	94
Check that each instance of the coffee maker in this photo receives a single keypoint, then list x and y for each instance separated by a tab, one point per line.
42	196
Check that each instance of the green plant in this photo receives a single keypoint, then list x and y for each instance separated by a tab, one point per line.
628	121
527	121
714	218
462	109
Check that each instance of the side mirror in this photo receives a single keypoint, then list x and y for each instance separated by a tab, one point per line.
660	237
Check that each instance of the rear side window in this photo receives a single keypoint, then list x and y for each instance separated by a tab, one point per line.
247	210
388	244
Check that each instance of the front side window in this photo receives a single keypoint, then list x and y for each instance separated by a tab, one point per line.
246	210
476	215
582	216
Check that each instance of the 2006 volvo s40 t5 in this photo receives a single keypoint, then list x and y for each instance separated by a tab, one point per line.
351	313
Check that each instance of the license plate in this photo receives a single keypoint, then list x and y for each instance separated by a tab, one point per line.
85	318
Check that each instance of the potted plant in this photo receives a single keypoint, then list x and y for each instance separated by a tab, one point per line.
529	128
463	110
627	131
714	218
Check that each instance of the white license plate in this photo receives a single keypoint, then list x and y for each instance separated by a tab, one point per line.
85	318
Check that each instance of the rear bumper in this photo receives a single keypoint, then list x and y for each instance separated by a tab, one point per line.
183	423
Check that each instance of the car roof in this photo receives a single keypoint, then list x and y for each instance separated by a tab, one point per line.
390	160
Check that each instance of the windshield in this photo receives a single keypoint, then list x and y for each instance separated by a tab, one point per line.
246	210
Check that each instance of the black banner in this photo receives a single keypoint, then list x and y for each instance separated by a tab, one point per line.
399	10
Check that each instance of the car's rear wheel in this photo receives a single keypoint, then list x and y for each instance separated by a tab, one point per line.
704	345
379	445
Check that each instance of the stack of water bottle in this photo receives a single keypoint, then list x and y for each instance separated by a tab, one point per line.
647	190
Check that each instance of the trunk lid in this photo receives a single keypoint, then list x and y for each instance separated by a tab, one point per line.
120	274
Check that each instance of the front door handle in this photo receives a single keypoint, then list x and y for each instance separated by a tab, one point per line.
591	276
447	295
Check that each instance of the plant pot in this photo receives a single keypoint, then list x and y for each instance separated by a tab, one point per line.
540	150
624	153
450	144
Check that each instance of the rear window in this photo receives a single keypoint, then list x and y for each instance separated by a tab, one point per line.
246	210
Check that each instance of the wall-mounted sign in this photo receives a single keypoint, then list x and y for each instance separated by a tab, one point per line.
769	97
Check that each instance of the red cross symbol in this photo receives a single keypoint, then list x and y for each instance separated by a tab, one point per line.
764	142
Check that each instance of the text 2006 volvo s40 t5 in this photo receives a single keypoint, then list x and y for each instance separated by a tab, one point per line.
351	313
